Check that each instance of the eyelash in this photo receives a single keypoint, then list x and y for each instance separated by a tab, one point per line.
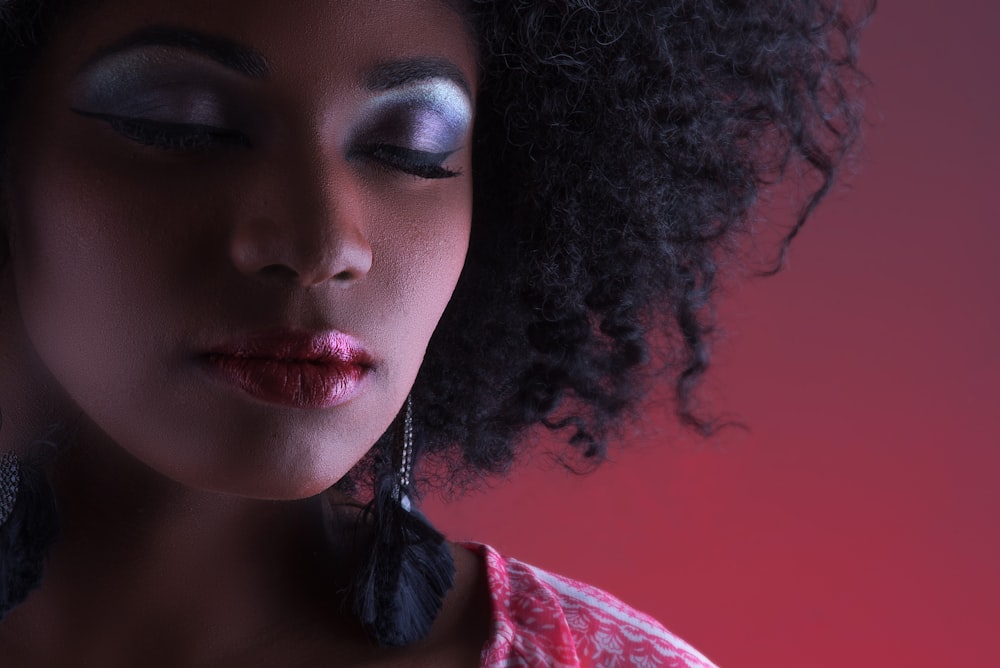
424	164
192	137
169	136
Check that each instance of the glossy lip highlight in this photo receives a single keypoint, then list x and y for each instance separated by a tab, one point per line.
294	368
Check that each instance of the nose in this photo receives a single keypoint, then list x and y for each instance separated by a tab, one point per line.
308	229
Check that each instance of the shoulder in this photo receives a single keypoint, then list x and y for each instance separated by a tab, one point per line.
544	619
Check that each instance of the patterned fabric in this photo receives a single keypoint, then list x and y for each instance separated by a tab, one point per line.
545	620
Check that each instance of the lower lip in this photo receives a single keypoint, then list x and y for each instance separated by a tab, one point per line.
297	384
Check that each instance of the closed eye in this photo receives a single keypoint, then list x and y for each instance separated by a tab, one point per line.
424	164
167	135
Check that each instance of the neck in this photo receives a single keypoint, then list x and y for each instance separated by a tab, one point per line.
153	560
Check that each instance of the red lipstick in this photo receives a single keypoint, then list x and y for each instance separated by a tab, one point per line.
294	368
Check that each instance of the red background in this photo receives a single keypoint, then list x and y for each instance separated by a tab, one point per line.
856	523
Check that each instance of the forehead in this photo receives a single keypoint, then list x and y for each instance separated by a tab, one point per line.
305	40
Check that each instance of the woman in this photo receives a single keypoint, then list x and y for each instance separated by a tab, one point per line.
261	258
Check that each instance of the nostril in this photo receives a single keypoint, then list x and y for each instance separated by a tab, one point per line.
345	275
314	250
278	271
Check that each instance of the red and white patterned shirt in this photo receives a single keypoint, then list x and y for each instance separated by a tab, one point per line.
545	620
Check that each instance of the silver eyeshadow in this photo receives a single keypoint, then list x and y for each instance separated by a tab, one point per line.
168	85
432	116
157	84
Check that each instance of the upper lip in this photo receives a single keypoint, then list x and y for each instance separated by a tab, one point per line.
320	347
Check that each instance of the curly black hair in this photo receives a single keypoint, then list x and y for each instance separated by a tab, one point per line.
620	149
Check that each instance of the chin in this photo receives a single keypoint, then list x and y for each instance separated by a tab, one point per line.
273	487
264	481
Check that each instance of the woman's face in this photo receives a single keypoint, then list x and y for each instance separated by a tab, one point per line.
186	175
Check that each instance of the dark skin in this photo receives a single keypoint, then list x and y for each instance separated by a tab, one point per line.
184	538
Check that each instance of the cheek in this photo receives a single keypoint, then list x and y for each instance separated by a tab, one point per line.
99	275
83	265
424	254
106	247
67	268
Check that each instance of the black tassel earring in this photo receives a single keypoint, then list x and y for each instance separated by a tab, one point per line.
400	588
27	529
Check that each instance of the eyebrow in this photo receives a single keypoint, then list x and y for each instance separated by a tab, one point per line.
243	59
395	73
